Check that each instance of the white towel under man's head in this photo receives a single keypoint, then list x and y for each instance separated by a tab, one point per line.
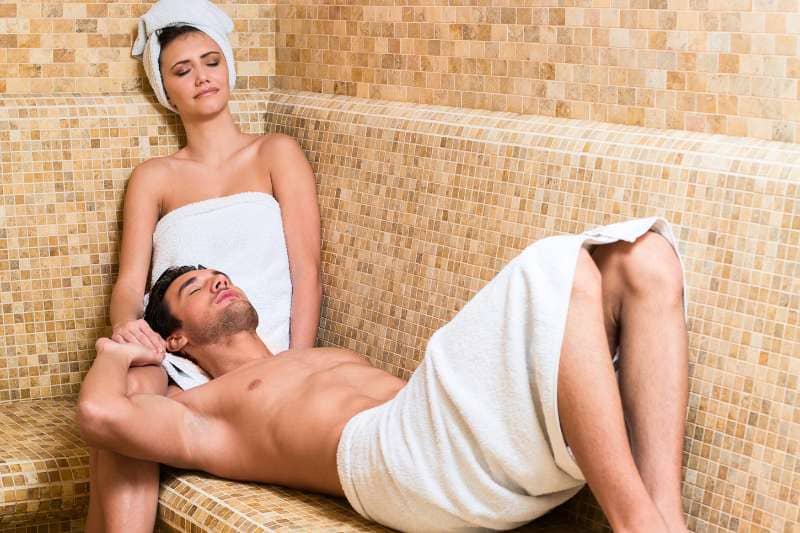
200	14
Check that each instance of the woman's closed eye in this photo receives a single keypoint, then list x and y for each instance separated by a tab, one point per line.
185	72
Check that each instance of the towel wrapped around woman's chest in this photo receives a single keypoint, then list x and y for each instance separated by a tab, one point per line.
241	235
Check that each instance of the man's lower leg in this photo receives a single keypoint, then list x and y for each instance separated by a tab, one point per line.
590	410
653	362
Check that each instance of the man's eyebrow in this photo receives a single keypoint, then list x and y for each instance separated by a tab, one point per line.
223	273
186	284
201	57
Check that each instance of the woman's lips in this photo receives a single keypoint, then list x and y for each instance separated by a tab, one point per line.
207	93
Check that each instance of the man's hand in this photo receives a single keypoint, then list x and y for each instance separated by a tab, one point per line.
138	332
135	354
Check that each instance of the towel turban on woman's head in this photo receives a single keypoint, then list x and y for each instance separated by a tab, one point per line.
200	14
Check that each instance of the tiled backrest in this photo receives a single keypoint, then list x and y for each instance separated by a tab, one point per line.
422	205
64	163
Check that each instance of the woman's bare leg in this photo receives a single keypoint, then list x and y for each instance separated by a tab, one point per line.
124	491
643	298
128	490
94	518
590	410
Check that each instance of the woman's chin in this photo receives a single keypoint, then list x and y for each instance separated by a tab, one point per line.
207	105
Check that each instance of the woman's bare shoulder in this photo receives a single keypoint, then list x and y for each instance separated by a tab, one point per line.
152	173
155	167
273	142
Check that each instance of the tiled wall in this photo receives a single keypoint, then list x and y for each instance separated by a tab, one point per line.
64	163
422	205
52	47
718	66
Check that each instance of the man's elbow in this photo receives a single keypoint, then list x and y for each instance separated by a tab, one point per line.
94	420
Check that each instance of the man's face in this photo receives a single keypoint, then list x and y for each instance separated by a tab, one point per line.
209	306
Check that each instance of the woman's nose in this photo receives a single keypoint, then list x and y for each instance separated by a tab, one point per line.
201	77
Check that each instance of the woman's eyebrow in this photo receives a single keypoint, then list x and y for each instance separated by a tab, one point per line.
187	60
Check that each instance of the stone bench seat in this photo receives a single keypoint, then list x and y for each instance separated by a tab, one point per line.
44	463
44	479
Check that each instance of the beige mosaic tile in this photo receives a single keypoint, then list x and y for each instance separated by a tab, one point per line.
220	505
77	525
421	205
49	47
44	466
711	66
190	500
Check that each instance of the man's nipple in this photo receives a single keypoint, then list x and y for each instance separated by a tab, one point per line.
253	384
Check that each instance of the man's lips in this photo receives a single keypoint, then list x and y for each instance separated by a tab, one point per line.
207	92
227	294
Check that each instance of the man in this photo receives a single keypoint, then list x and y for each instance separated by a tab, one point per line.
475	438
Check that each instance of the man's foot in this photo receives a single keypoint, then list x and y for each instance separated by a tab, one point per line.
677	526
643	518
676	522
671	510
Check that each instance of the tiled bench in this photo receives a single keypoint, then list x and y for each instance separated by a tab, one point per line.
421	206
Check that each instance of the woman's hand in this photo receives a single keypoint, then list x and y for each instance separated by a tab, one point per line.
137	354
139	332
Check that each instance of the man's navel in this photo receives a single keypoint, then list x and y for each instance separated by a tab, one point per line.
253	384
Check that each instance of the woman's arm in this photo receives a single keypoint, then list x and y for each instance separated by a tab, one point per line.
295	189
139	217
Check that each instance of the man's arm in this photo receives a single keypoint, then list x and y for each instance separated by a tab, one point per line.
144	426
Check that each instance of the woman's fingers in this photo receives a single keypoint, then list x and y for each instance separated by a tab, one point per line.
139	332
142	339
154	337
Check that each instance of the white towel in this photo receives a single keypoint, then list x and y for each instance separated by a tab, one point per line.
242	236
200	14
474	441
183	372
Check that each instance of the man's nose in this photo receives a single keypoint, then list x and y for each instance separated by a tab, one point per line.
220	283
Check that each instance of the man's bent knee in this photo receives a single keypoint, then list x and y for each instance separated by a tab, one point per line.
651	266
587	282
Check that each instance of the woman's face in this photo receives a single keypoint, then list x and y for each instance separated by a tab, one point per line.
195	74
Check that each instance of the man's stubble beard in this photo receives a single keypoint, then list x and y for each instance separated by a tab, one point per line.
237	316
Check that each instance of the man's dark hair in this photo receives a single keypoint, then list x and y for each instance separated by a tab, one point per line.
157	313
170	33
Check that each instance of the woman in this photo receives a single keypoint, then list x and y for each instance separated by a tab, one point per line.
244	204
